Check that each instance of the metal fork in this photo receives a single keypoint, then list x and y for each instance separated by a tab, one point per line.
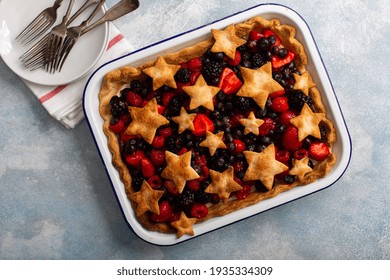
55	40
74	33
72	36
40	24
33	58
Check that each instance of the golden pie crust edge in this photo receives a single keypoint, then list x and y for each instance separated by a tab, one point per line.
116	79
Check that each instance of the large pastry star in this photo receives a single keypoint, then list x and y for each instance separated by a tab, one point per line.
226	41
300	168
223	183
263	166
185	120
251	124
303	82
201	94
213	142
179	169
307	123
258	84
162	73
145	121
184	225
146	199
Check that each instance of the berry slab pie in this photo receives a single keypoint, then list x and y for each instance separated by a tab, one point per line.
216	127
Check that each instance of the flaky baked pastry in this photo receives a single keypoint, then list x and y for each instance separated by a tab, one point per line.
216	127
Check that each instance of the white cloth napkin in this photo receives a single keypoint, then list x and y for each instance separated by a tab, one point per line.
64	102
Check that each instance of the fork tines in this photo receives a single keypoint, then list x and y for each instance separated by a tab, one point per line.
40	24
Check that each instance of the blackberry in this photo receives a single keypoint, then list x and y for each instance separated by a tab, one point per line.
258	60
183	75
174	105
136	180
211	72
185	200
140	88
242	103
296	100
130	147
173	144
118	106
202	197
289	179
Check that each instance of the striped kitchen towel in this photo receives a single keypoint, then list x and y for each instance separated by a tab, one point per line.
64	102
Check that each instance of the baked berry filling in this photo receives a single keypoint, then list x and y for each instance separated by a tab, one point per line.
224	118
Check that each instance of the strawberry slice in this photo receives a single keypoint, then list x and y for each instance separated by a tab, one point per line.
255	35
165	213
202	124
318	151
229	83
290	138
278	62
236	61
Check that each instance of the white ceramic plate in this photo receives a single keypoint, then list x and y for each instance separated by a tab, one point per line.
342	147
83	57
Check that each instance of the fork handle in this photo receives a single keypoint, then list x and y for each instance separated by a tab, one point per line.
82	9
120	9
93	14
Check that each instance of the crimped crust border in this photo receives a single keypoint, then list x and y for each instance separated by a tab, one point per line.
116	79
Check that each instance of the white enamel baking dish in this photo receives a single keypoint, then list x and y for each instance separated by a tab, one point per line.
342	147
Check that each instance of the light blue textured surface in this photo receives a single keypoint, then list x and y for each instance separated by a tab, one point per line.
56	201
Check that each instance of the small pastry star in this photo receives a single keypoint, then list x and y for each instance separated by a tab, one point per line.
145	121
147	199
251	124
184	225
263	166
162	73
179	169
307	123
223	183
300	168
213	142
258	84
201	94
226	41
303	82
185	120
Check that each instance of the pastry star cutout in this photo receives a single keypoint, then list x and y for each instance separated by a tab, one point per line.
146	199
263	166
300	168
179	169
213	142
145	121
184	225
258	84
307	123
226	41
223	183
185	120
251	124
162	73
303	83
201	94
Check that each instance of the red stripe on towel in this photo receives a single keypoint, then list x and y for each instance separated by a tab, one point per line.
115	40
58	89
51	94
